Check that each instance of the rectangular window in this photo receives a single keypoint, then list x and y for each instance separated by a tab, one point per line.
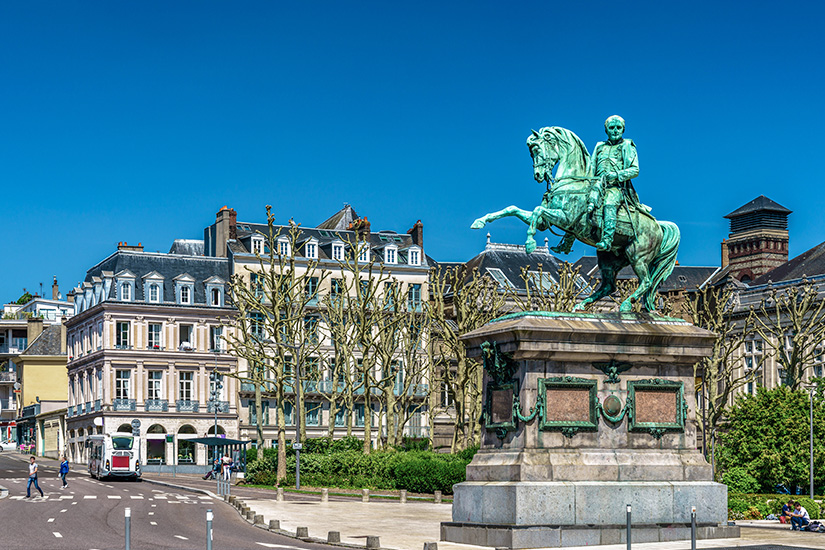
155	379
122	385
414	257
154	292
185	295
186	335
256	283
391	256
359	415
154	338
311	329
414	297
257	245
185	384
215	296
122	334
364	253
312	251
289	414
253	416
216	338
341	417
313	414
311	289
283	247
336	287
338	252
256	324
125	292
499	277
81	392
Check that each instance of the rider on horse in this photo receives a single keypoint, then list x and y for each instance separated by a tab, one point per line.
615	164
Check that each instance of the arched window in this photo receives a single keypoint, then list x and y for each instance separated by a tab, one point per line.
156	429
125	428
187	429
216	297
211	430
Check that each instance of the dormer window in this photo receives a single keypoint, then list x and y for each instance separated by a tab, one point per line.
257	244
311	250
214	291
391	255
126	292
185	289
364	253
338	251
414	256
283	247
215	297
154	292
185	297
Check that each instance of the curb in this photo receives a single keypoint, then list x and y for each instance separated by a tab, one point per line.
182	487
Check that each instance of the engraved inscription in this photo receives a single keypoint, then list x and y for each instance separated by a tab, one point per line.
656	407
567	405
502	406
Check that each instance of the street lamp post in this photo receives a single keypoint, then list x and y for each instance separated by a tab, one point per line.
811	389
215	394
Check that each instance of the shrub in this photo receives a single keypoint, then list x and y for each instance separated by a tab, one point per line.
739	480
811	506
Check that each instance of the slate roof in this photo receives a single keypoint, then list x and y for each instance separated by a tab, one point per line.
169	266
187	247
340	220
509	259
47	342
759	204
683	277
808	264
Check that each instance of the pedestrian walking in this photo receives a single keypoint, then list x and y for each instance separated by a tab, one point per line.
32	479
226	462
64	469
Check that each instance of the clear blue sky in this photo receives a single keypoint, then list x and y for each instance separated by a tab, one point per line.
137	121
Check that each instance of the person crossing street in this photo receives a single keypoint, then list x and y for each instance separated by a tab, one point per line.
33	479
64	469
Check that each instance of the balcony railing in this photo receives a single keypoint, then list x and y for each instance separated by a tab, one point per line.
8	377
79	409
88	408
185	405
97	405
223	406
123	346
156	347
156	405
124	405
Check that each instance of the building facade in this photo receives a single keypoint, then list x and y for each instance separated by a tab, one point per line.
148	330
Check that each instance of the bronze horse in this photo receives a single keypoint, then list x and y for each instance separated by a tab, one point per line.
647	245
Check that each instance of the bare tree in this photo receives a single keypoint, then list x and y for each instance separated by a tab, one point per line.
791	321
460	301
543	292
723	371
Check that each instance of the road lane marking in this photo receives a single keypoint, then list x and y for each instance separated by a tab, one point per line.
269	545
63	511
153	523
50	520
151	513
57	535
89	496
136	497
205	498
181	537
154	506
116	497
73	503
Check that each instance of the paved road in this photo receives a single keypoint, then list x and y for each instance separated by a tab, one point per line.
90	515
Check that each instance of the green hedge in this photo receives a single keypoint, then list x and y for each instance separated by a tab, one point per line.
757	506
415	471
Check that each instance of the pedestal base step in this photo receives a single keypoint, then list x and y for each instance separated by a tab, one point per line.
550	536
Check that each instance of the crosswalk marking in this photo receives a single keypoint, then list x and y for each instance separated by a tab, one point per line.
63	511
181	537
153	523
57	535
115	497
269	545
136	497
151	513
50	520
89	496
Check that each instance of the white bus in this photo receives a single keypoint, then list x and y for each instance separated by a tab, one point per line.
115	455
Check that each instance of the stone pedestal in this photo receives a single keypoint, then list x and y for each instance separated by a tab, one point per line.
584	414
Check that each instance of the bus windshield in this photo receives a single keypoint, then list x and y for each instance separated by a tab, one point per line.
122	443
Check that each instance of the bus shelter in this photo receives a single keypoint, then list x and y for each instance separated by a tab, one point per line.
235	448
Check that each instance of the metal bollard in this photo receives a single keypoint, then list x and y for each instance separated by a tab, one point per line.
373	542
437	497
365	495
693	528
209	529
128	515
334	536
628	527
324	495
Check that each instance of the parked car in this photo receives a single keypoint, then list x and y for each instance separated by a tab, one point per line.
7	446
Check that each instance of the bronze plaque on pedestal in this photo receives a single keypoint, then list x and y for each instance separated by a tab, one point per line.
501	406
656	406
567	404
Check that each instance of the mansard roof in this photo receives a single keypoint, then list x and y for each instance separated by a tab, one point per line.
341	220
47	342
187	247
508	260
171	267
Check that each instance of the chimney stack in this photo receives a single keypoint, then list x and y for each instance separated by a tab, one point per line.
63	335
226	228
55	290
361	226
34	326
725	252
417	233
125	246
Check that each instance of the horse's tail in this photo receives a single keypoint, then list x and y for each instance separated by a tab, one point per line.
662	265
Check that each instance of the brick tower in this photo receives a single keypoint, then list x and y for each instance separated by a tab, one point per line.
758	239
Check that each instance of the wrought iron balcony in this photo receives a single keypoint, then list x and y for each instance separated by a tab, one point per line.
156	405
223	406
69	411
185	405
88	407
80	409
97	405
124	405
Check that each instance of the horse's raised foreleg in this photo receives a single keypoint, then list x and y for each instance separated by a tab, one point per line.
609	265
642	272
547	217
523	215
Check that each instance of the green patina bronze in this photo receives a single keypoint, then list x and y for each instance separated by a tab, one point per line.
579	315
569	428
657	429
612	369
593	200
